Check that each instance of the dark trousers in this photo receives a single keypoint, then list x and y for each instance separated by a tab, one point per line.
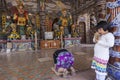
56	53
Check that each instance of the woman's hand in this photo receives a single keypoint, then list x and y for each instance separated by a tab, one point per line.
97	36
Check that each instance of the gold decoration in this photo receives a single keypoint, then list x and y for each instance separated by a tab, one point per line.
61	30
38	20
3	21
21	17
30	31
57	33
14	34
21	21
74	32
64	21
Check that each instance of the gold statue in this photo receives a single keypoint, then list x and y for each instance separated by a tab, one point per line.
30	32
14	34
74	32
21	18
62	30
65	21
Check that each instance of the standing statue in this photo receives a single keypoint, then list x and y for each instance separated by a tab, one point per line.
65	21
74	31
21	18
30	32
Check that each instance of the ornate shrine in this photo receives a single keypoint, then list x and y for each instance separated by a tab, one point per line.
17	31
29	29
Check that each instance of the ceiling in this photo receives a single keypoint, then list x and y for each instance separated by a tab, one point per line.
50	5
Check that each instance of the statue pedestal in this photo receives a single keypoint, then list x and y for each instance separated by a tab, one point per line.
22	45
3	45
71	41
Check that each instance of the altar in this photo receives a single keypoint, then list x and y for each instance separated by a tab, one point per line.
17	45
50	44
71	41
25	31
22	45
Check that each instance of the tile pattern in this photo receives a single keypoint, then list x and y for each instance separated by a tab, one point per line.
22	72
25	66
27	69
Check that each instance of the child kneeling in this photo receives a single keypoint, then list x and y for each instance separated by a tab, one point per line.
63	61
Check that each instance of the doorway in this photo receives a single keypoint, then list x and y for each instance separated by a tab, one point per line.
82	26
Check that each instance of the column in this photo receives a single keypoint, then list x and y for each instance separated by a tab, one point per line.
114	61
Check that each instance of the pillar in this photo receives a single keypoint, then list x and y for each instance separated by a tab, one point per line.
114	61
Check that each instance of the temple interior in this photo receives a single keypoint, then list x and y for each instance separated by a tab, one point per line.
31	31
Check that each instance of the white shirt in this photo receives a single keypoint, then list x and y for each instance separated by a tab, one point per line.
101	49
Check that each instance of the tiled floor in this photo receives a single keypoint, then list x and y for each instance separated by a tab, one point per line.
81	75
25	66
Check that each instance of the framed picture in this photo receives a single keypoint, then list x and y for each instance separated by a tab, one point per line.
48	35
